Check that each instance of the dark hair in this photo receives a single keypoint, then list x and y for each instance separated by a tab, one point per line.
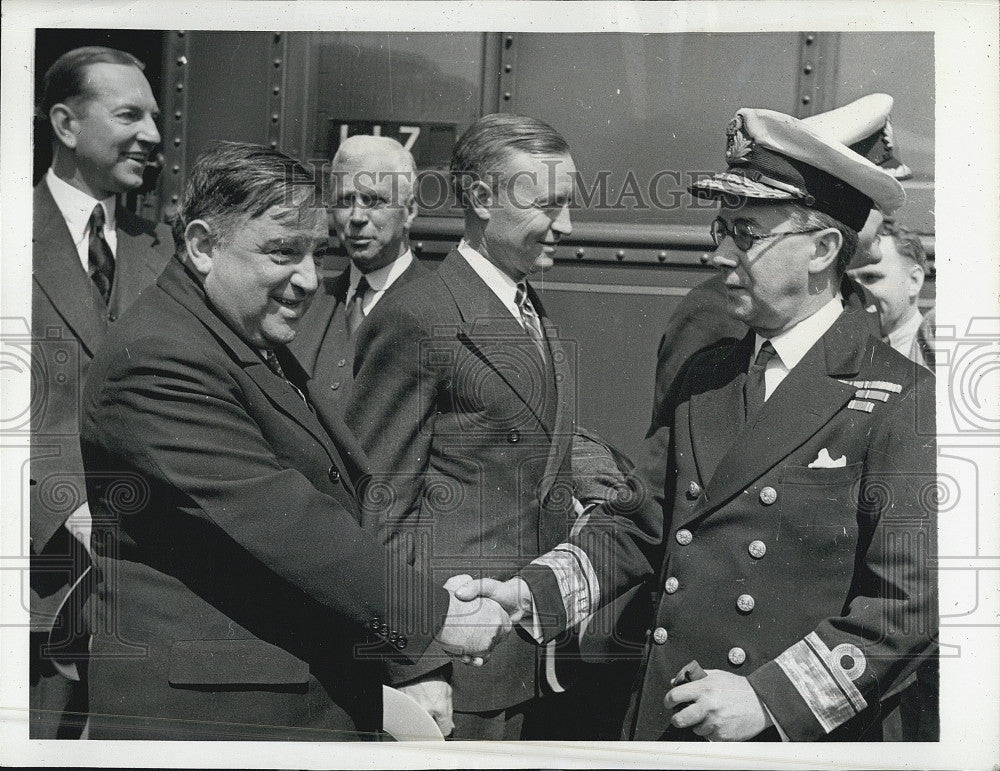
66	79
233	179
907	243
483	150
810	218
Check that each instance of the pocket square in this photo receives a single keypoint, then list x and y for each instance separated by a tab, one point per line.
823	460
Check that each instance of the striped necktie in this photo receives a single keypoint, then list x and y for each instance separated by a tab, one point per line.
532	324
100	260
355	308
754	389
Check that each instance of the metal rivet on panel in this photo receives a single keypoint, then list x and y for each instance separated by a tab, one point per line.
662	256
509	41
807	69
806	99
176	169
277	62
579	254
810	39
177	141
177	115
180	86
274	145
507	95
620	254
181	61
507	68
274	117
703	259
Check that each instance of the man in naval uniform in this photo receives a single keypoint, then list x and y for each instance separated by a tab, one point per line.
792	556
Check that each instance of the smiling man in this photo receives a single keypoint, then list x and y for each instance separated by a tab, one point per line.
794	555
372	208
239	595
464	401
90	259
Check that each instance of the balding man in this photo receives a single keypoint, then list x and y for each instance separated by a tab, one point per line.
373	207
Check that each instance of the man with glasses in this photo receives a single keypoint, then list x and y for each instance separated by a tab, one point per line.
793	561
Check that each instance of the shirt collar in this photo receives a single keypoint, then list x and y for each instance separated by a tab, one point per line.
901	338
503	286
381	279
792	344
76	206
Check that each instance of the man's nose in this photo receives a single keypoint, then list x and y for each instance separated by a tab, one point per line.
306	276
359	213
148	131
726	255
562	223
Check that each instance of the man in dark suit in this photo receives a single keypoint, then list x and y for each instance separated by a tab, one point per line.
463	399
90	259
794	560
239	594
373	207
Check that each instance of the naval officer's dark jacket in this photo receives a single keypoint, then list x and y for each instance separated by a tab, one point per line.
813	582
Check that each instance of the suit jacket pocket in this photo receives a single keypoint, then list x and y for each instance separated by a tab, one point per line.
218	664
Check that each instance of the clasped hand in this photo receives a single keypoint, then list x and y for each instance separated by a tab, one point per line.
477	621
722	707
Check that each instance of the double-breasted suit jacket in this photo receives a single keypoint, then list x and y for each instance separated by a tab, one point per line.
323	344
469	430
795	547
239	596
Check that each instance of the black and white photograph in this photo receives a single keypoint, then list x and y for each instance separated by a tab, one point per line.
500	384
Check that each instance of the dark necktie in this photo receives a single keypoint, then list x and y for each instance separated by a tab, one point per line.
753	388
100	261
532	324
275	366
355	308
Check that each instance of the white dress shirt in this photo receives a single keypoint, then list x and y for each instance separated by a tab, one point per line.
378	280
502	285
76	207
792	344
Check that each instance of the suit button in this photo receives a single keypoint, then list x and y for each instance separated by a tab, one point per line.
745	603
401	642
671	585
683	537
694	490
375	623
513	437
660	635
737	656
342	363
334	474
113	317
757	549
384	630
393	636
768	495
335	386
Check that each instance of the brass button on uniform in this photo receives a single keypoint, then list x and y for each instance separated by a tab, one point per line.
768	495
757	549
513	437
401	642
737	656
745	603
342	363
335	385
334	474
660	635
671	585
683	537
694	490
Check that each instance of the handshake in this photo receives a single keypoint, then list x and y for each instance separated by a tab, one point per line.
481	614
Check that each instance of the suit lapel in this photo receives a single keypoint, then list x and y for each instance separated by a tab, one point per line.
565	388
59	274
139	258
716	412
805	401
489	328
315	328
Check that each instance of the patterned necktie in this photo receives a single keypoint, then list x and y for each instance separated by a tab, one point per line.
100	260
532	324
355	308
275	366
753	388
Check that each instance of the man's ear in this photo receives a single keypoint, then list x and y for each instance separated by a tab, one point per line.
411	212
65	124
480	199
827	246
916	282
199	246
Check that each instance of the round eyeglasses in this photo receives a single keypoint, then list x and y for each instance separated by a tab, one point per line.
743	235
